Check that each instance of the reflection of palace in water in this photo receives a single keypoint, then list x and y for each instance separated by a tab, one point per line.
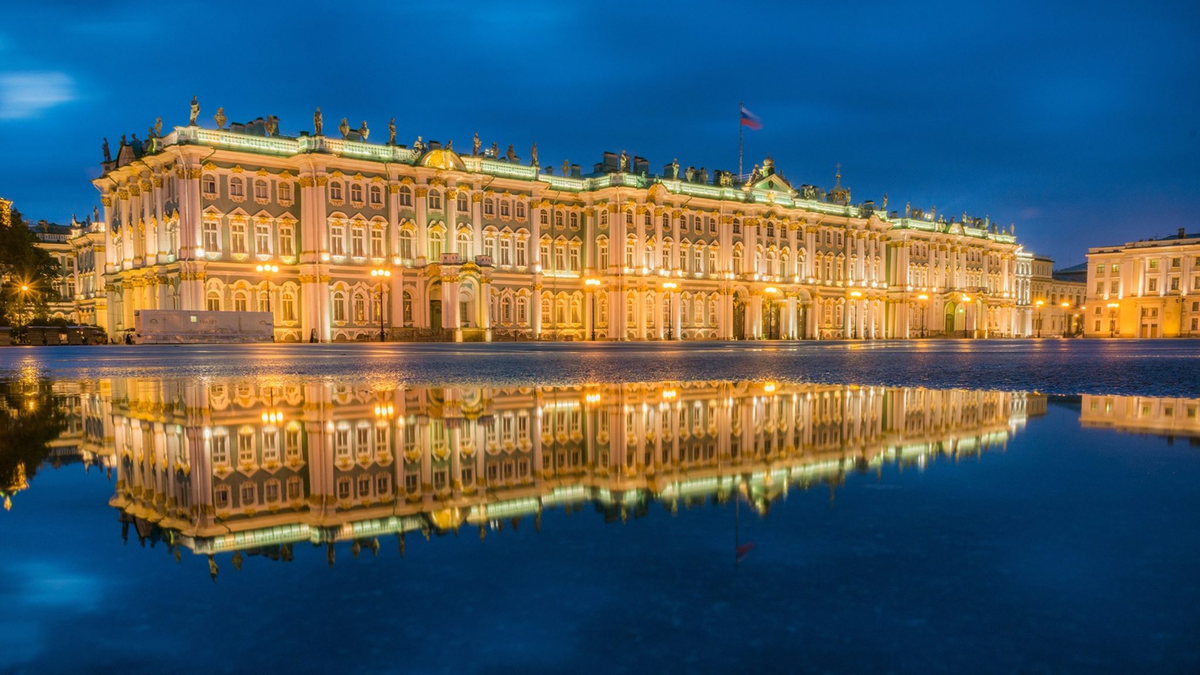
1143	414
225	466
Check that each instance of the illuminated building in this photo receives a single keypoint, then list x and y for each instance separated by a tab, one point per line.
1057	301
1145	289
482	246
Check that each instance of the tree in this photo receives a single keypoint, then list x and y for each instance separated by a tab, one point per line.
23	264
31	416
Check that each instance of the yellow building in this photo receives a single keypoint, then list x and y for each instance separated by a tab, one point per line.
1145	289
1057	301
1143	414
422	242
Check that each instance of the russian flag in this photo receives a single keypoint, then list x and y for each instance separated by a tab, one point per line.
751	120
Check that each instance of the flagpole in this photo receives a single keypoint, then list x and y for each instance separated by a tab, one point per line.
740	132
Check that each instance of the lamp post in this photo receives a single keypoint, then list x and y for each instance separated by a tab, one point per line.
966	299
24	298
1112	318
594	285
1066	307
670	287
854	296
924	311
1039	304
266	271
382	273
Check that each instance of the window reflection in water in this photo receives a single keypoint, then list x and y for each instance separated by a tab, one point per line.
243	466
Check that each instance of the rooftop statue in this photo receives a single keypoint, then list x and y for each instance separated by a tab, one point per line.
755	175
689	174
475	145
363	130
510	155
495	150
158	127
623	166
95	214
703	175
150	132
907	209
272	125
195	112
107	154
675	168
566	168
885	201
419	145
392	131
317	122
450	145
220	118
344	128
533	158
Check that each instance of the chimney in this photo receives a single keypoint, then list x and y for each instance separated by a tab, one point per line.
1181	234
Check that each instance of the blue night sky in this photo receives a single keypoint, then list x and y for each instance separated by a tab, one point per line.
1077	123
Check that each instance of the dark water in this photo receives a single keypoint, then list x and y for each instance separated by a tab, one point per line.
829	509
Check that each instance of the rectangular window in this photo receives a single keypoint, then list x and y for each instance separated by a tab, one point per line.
237	238
337	240
376	243
286	245
210	241
262	239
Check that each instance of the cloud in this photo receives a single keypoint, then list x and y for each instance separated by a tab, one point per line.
24	95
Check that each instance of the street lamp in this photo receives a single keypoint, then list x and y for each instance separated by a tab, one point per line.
24	297
771	291
266	271
924	310
1067	318
593	283
1112	318
1039	304
381	273
670	287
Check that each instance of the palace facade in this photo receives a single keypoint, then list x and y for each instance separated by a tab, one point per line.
358	239
1145	289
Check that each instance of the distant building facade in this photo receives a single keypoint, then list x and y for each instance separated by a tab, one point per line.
1145	289
1057	300
484	246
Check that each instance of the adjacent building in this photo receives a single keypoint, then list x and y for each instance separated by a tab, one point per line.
1145	289
343	240
1058	299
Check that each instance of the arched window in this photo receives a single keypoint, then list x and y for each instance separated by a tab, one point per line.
236	188
260	190
520	210
407	311
241	303
339	306
602	254
522	310
489	207
360	308
436	243
405	196
213	301
285	191
288	309
558	219
406	244
463	204
505	209
209	185
546	316
506	309
603	216
435	199
464	244
576	310
335	191
376	196
574	221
